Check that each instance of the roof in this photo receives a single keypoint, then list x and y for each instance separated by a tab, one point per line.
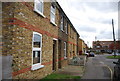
59	7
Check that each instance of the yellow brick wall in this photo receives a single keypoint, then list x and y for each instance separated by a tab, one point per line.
19	22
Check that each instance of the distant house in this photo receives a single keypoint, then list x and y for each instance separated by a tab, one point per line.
38	36
82	47
105	46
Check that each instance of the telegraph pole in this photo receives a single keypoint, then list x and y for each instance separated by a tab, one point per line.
95	44
114	38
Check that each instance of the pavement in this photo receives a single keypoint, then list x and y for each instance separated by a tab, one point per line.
99	67
72	70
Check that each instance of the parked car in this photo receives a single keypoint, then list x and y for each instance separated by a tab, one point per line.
87	54
91	54
116	74
117	53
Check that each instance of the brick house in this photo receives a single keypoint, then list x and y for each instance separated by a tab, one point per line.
82	47
102	46
38	36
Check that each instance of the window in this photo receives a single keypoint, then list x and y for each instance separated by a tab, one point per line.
36	51
39	5
98	46
66	27
65	54
52	14
61	23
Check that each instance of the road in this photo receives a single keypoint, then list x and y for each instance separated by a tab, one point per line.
99	67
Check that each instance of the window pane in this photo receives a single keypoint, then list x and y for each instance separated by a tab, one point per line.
65	49
37	38
65	45
41	3
39	6
52	14
65	53
37	44
36	57
37	41
52	17
53	9
66	27
61	23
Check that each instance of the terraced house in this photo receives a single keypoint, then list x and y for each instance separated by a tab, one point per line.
82	47
38	37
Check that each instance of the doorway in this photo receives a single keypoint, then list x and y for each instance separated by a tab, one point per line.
54	55
59	54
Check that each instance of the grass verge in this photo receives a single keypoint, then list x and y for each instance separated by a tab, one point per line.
56	77
113	57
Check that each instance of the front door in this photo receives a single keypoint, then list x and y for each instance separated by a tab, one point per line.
54	55
59	55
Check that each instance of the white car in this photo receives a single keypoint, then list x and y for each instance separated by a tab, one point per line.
86	53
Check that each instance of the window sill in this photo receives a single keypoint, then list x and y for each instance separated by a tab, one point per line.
41	14
53	23
37	66
62	30
65	58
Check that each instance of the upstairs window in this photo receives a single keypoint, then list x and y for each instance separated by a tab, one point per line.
66	27
61	23
52	14
98	46
39	5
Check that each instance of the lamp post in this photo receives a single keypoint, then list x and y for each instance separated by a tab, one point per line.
114	38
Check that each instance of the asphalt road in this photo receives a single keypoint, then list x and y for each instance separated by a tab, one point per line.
99	67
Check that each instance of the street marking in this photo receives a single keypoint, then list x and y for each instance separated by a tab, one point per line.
110	70
102	62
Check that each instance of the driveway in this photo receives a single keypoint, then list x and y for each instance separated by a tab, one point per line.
99	67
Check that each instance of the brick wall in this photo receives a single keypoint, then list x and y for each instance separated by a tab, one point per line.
19	22
72	46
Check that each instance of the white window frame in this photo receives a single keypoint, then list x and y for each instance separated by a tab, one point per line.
37	65
61	23
65	50
42	7
54	13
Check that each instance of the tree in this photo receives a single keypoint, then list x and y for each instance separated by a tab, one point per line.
111	46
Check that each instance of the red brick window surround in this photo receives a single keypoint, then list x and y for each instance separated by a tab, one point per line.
39	7
36	51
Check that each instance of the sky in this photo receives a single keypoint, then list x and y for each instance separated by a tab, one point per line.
92	18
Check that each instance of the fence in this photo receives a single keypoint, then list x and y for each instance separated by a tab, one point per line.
78	61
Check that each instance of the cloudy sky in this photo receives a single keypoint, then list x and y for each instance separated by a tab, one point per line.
92	18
